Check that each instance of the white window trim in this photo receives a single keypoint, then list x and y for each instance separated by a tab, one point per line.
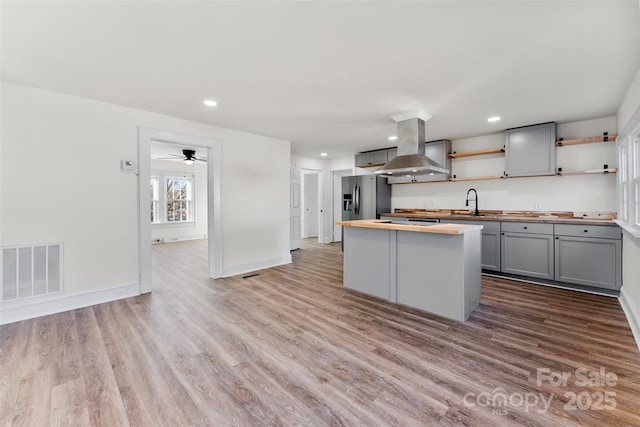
628	146
161	177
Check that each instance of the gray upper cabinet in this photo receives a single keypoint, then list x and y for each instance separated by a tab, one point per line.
588	255
531	150
437	151
372	158
527	249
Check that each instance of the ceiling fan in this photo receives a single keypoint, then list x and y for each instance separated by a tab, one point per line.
188	157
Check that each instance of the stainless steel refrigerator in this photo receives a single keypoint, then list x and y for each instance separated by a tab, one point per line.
365	197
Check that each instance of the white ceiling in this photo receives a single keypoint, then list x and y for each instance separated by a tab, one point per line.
328	75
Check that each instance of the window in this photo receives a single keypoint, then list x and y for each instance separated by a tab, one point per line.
171	198
623	181
629	181
154	199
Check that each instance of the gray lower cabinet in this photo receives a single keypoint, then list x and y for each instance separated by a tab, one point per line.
527	249
588	255
490	242
491	249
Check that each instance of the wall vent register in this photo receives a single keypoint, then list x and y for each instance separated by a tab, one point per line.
29	271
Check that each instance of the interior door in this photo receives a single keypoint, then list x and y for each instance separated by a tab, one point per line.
295	210
311	206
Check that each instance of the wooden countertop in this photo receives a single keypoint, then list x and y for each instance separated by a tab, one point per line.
435	228
513	216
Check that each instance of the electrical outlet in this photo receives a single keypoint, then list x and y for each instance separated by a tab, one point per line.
537	206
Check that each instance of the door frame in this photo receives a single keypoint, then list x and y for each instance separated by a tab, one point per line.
336	199
214	174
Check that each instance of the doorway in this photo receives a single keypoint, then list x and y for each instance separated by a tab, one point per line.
213	149
311	203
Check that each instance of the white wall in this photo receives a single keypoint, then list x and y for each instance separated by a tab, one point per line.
198	229
553	193
61	181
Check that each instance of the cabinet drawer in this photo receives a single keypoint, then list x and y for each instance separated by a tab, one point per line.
600	231
527	227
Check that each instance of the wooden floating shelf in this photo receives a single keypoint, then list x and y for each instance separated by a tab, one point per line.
476	178
476	153
605	137
588	172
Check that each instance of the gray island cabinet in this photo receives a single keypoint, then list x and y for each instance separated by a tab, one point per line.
435	268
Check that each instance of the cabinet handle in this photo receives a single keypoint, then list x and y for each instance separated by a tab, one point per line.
525	228
586	231
557	238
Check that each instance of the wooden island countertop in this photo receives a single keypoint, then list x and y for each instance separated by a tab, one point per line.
435	228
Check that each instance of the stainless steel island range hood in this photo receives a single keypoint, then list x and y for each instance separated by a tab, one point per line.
411	159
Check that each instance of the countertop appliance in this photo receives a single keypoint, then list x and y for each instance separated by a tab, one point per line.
365	197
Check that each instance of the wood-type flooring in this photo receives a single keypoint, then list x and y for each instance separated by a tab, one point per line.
291	347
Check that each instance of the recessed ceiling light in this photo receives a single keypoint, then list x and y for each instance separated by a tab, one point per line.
393	138
210	103
493	119
323	154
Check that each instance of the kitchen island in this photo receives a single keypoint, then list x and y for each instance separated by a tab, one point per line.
436	268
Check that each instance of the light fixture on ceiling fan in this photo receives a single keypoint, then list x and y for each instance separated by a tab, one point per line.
189	156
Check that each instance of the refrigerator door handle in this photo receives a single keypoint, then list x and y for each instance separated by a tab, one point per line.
355	202
356	195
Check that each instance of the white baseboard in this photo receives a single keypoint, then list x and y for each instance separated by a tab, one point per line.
233	270
15	311
171	239
633	316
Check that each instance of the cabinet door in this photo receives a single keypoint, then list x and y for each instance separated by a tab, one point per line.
490	250
392	153
531	150
588	261
527	255
378	157
362	160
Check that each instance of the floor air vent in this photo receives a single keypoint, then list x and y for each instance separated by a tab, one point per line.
29	271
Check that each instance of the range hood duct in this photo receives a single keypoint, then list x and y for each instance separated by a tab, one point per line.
411	159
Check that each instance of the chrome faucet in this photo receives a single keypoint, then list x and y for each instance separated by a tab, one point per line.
476	213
